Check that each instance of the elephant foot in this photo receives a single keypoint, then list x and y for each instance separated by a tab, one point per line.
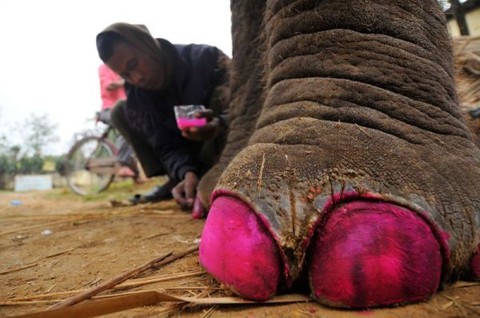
237	250
370	254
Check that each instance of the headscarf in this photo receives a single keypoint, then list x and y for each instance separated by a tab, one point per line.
139	36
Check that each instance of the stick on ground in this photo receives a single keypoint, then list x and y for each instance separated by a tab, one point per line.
163	260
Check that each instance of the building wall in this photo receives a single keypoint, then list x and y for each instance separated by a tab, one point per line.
473	22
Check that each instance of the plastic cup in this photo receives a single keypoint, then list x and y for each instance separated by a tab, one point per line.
185	115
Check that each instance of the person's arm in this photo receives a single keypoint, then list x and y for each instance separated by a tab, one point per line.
179	165
217	108
173	152
184	193
176	159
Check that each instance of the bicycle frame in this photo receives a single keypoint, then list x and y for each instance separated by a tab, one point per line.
92	162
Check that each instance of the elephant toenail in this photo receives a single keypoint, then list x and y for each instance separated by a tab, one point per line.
237	249
370	254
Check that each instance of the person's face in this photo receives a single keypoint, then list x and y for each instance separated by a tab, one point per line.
136	67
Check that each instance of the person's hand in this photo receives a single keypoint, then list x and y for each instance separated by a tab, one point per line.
184	193
209	131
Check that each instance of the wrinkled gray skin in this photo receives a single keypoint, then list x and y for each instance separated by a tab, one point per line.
352	97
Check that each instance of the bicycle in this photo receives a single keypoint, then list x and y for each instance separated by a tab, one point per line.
91	163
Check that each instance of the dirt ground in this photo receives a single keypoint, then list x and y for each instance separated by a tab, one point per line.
54	245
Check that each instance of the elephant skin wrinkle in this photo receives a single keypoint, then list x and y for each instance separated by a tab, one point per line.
373	253
238	250
417	22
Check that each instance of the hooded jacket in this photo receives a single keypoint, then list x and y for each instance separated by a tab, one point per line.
195	71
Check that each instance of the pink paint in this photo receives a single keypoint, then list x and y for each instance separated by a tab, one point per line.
347	196
183	123
475	267
237	250
371	254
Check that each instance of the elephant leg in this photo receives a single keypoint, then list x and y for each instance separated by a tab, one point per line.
359	158
245	89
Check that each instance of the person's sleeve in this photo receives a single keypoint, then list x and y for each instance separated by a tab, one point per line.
175	155
177	161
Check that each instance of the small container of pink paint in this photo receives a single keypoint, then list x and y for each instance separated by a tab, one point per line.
185	115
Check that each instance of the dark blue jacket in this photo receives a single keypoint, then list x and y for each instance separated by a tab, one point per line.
151	113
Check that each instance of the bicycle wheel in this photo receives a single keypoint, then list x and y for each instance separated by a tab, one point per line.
90	165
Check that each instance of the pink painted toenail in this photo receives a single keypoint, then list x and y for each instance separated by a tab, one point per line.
237	249
370	254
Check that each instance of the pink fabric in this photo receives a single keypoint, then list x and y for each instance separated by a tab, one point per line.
109	97
371	254
237	250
